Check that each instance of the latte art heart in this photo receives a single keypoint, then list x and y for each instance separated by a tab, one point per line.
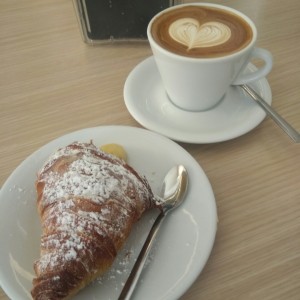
189	32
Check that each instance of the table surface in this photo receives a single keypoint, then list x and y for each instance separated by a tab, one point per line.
52	84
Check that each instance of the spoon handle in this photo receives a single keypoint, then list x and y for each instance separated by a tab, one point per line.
284	125
140	262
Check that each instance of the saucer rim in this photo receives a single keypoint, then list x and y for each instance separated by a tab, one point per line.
191	137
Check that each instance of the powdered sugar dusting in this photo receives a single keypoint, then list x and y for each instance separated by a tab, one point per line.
85	178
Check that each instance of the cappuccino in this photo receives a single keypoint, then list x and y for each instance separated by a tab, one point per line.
201	31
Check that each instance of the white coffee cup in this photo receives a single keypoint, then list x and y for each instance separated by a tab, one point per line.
199	83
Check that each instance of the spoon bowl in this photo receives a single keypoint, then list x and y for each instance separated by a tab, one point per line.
174	188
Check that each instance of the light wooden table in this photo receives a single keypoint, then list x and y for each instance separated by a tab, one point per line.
52	83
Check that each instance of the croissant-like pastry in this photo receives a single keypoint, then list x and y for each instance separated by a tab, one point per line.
88	201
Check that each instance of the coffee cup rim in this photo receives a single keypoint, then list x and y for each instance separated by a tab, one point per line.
204	59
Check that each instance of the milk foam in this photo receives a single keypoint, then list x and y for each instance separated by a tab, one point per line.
189	32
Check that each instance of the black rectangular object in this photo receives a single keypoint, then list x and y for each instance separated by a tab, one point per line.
109	20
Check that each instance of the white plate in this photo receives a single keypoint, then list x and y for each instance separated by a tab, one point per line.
181	250
148	103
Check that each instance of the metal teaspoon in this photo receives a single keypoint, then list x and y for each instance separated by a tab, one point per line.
284	125
173	190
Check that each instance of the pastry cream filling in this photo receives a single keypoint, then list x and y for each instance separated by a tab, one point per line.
115	149
190	33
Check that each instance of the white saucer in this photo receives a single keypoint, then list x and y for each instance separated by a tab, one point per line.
234	116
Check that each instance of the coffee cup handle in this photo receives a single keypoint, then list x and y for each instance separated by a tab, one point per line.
262	54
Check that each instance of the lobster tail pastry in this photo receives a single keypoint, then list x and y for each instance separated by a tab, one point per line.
88	201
